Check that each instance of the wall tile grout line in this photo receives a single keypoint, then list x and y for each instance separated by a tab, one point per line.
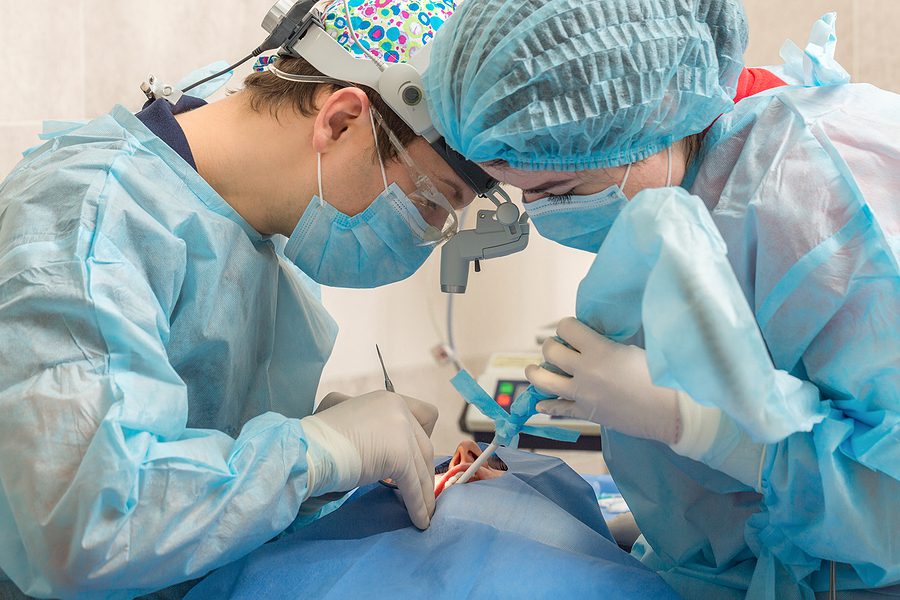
84	82
857	64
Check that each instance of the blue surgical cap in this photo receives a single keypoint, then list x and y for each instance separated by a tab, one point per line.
567	85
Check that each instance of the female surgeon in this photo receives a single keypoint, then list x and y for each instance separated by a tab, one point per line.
161	342
791	475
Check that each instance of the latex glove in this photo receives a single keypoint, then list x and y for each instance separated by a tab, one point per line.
426	414
375	436
331	399
609	384
712	437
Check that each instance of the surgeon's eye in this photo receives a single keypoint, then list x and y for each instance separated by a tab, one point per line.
561	199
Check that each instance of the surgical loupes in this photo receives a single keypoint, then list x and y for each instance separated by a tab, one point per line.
497	232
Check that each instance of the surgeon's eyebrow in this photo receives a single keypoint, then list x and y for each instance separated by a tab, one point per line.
546	186
457	199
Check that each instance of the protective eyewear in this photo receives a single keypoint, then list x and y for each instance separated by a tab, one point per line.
437	212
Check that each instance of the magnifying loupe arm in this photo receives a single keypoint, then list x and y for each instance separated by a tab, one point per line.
491	238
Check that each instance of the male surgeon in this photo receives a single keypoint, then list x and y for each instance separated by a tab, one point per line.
162	341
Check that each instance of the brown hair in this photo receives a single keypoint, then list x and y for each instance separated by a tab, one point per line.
692	148
268	92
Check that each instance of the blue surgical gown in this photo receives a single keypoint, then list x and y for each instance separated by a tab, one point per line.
803	184
157	354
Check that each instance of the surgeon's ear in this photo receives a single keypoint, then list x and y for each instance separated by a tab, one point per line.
343	115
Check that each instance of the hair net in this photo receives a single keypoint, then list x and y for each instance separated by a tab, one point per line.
580	84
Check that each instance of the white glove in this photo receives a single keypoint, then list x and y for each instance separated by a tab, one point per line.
426	414
610	385
378	435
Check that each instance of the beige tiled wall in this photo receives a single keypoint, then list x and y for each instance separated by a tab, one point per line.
131	38
76	58
867	31
877	54
773	22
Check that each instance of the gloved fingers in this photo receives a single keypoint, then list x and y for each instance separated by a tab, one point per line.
559	408
420	452
424	412
426	467
580	336
332	399
410	488
413	488
556	353
547	382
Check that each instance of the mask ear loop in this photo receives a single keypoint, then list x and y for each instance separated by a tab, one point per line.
625	180
668	171
380	161
669	167
319	175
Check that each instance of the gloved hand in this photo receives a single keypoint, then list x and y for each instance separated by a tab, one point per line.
609	384
379	435
426	414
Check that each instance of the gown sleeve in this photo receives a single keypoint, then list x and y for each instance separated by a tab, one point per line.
104	491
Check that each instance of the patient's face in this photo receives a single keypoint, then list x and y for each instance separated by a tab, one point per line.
468	451
465	455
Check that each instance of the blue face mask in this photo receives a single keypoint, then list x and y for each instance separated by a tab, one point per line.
380	245
582	222
579	222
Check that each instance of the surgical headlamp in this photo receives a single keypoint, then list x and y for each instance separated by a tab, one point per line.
296	28
398	84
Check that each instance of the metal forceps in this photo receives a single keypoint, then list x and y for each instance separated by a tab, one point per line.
388	384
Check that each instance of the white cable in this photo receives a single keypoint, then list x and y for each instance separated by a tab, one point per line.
446	337
377	151
271	68
378	62
762	461
440	333
451	337
429	300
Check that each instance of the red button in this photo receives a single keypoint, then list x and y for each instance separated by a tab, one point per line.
504	400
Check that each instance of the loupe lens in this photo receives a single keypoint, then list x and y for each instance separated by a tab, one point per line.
439	218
